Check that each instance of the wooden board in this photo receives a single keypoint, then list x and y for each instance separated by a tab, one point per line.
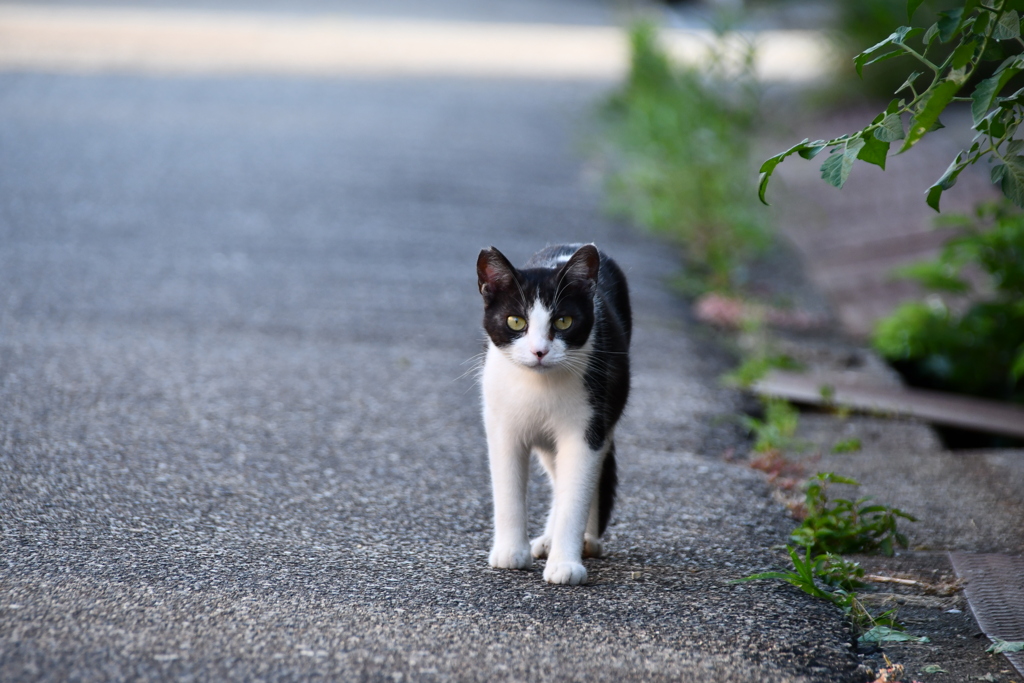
951	410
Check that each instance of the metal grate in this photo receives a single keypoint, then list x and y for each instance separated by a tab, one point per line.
994	585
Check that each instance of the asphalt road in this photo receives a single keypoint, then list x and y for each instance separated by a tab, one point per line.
239	425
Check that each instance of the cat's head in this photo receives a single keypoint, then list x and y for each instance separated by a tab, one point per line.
539	318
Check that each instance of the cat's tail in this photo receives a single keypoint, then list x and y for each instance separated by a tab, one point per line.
606	490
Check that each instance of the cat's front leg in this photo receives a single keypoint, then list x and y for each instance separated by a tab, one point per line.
577	468
509	473
541	546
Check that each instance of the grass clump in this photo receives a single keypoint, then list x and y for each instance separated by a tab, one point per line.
832	527
842	526
758	364
968	335
851	445
679	151
778	428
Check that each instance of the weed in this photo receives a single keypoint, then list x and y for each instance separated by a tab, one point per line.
843	526
851	445
805	570
830	578
975	348
680	159
759	364
829	529
777	429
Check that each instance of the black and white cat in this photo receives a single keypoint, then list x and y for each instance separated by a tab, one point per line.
555	382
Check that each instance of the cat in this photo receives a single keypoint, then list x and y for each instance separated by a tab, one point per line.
555	382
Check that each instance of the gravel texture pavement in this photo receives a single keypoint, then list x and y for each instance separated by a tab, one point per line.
239	425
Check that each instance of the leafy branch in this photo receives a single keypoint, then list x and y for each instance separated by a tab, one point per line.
984	35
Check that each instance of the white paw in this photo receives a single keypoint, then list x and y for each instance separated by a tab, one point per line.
540	546
511	557
565	573
591	546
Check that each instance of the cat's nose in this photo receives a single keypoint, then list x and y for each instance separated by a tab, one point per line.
540	354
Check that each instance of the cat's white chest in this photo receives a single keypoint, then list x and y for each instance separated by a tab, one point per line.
532	404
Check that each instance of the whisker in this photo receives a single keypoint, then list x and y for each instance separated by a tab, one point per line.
477	368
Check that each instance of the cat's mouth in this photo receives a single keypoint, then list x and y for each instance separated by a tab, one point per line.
541	364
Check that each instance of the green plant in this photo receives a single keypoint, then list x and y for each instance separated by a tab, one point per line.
758	364
777	429
842	526
851	445
1000	646
679	156
980	35
806	570
833	579
832	528
865	22
968	336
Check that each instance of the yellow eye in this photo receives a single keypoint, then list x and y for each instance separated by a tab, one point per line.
563	323
516	323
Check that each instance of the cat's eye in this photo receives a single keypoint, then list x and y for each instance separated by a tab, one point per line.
516	323
563	322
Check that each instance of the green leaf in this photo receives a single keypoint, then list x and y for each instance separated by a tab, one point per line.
897	37
985	92
933	669
908	83
930	34
945	181
981	24
884	634
831	170
963	54
949	23
768	167
1000	646
1011	61
874	151
1010	178
900	35
1010	101
861	63
891	129
851	445
837	167
1008	27
912	6
811	150
833	478
935	275
932	104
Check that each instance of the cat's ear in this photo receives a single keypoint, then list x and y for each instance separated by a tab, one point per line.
493	272
582	268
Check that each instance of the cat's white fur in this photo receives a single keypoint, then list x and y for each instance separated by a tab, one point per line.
541	405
